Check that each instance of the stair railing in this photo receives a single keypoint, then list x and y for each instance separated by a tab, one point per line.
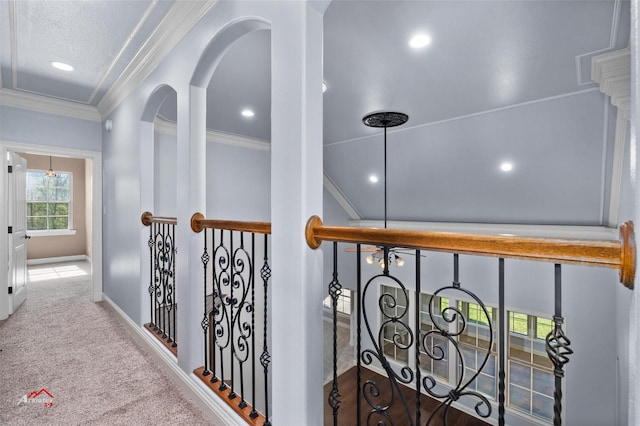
162	281
439	331
235	323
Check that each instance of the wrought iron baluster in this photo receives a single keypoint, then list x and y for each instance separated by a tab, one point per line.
335	289
417	325
502	349
358	332
158	278
265	358
174	306
150	290
163	275
223	322
253	413
371	390
557	346
232	303
216	298
243	274
205	318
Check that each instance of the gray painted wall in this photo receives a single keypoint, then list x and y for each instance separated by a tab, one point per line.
164	175
238	183
624	296
19	125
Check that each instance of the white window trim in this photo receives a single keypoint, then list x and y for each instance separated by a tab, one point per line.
52	233
56	232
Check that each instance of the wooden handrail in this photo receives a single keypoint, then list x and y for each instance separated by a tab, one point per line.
198	223
148	218
619	255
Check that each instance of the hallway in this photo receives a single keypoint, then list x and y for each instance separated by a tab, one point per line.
79	352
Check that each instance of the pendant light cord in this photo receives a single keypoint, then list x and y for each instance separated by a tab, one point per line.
385	177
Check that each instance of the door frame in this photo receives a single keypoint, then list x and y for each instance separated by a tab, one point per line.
96	211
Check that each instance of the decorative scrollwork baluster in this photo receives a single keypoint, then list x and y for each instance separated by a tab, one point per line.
453	315
371	389
150	289
242	277
222	302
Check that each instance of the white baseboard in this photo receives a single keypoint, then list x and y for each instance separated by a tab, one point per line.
218	413
61	259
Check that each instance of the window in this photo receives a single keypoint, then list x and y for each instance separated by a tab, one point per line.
395	335
434	342
530	372
529	378
343	302
48	201
474	344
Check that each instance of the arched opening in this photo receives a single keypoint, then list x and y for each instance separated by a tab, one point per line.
160	119
158	192
235	69
232	87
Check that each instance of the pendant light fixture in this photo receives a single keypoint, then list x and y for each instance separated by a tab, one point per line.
384	257
50	172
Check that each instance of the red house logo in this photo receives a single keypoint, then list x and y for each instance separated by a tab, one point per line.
42	396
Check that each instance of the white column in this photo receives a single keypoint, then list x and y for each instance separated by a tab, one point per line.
296	194
191	153
147	165
634	342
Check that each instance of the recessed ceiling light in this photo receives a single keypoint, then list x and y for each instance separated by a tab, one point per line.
506	166
420	40
61	66
373	179
247	113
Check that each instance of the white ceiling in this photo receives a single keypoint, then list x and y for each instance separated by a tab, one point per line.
485	56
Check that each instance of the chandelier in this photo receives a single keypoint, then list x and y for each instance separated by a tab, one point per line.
50	172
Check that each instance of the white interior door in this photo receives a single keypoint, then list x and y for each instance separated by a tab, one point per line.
17	216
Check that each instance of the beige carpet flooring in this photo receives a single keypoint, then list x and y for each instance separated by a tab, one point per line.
81	354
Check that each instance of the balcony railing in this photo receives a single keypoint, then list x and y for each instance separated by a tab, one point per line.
235	261
162	281
407	334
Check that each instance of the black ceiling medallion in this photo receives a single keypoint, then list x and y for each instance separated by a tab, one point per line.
385	119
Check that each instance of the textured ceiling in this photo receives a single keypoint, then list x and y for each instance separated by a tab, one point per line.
96	37
500	80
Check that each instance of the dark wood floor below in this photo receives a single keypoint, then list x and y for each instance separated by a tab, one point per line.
348	409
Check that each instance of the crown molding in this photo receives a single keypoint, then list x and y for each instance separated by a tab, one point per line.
31	102
612	71
180	19
519	230
169	128
617	168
